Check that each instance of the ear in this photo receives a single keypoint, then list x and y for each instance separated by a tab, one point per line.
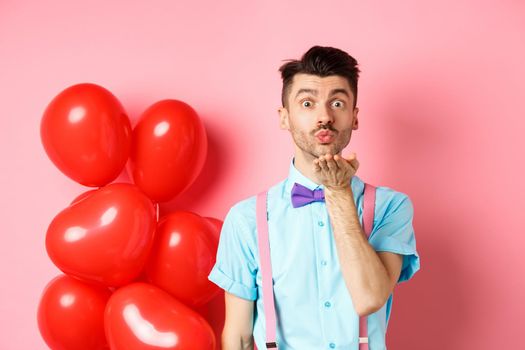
355	124
284	122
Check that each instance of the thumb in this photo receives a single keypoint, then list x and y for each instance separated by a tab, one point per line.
352	159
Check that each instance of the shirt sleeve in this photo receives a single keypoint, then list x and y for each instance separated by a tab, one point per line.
235	269
395	233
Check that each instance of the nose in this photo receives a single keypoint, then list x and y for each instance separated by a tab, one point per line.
324	116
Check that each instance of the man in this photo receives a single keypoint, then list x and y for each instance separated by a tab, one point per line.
326	273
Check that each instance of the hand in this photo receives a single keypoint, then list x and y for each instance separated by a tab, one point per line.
335	172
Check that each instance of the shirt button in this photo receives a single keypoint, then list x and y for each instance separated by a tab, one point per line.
320	223
327	304
332	345
323	262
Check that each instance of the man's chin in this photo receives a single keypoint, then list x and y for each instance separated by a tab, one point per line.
329	148
322	150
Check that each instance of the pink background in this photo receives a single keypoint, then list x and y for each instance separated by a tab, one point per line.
441	118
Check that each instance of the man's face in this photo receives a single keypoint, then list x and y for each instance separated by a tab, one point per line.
320	114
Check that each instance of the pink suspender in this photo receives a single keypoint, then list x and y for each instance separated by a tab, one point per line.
266	270
266	266
369	203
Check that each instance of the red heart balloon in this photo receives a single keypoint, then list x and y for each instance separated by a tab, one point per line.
105	237
168	149
71	314
87	134
182	257
140	316
217	224
214	312
83	195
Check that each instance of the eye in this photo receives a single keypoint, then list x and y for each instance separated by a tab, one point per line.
338	104
306	103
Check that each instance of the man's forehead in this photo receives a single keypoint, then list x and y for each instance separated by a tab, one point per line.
317	83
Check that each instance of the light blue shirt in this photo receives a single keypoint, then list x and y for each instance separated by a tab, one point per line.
313	307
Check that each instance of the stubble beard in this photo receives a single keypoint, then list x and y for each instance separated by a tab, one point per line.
309	145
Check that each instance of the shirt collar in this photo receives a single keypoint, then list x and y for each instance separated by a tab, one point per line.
294	175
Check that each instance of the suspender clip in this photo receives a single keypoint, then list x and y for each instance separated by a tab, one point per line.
363	340
271	345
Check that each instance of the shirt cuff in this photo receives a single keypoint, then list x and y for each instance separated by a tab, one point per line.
222	280
411	261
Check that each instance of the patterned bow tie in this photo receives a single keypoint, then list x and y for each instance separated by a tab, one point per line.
302	195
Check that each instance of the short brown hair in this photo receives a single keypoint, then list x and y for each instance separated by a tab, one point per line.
322	61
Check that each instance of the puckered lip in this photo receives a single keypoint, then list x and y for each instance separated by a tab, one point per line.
324	133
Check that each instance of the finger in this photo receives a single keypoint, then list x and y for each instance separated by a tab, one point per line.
317	167
322	163
353	161
352	157
341	162
332	165
355	164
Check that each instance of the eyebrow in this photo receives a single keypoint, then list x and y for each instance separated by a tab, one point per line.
314	92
